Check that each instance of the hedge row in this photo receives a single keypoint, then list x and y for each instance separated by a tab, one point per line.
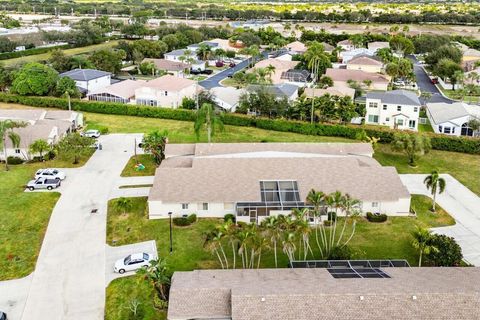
439	142
30	52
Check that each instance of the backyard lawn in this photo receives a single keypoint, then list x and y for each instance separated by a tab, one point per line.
24	218
146	160
391	239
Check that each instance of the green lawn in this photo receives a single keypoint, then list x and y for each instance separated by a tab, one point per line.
391	239
68	52
24	218
464	167
146	160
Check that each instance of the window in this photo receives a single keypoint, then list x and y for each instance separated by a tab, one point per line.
374	204
184	206
447	130
387	119
384	107
166	93
399	108
17	151
400	122
440	129
415	109
279	191
411	123
373	105
205	206
372	118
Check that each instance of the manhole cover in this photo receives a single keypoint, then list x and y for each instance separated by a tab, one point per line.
94	211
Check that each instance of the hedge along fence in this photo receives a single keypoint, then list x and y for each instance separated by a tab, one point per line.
31	52
439	142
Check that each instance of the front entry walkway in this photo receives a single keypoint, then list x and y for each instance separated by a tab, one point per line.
462	204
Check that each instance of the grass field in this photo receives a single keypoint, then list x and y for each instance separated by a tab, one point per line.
391	239
24	218
146	160
68	52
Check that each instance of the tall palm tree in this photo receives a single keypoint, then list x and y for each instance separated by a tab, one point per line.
434	182
270	71
317	199
213	244
207	117
349	205
421	242
272	231
230	231
6	130
288	245
336	201
204	51
244	239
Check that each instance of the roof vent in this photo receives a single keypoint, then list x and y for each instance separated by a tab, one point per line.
263	299
361	298
414	297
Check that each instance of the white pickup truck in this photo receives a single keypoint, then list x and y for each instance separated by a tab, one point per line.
43	183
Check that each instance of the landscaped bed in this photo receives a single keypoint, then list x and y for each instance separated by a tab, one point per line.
390	239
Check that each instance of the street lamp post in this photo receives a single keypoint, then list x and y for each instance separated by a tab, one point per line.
171	239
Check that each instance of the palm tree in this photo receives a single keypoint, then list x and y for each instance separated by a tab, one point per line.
39	146
336	201
273	232
213	244
244	239
6	127
230	230
159	275
317	199
421	242
207	117
270	71
349	205
154	143
288	245
204	51
123	204
434	182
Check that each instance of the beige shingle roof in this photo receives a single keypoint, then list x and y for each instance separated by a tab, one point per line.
124	89
355	75
169	83
231	172
280	67
365	61
297	46
168	65
297	294
341	91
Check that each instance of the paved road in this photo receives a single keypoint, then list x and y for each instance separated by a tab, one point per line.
214	81
425	85
462	204
69	278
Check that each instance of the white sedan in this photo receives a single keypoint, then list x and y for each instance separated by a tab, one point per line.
133	262
50	174
91	133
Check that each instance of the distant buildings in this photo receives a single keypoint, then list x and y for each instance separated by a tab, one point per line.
365	63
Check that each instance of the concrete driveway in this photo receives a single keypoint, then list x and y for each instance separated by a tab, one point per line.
69	278
462	204
115	253
13	295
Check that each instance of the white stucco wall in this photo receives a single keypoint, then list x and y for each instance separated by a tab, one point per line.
167	99
159	210
391	115
366	68
95	84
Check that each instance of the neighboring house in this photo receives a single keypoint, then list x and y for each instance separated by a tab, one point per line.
377	45
213	45
176	54
50	126
365	63
280	67
120	92
346	45
167	91
88	80
340	91
296	47
472	81
341	78
469	59
296	77
198	65
257	180
399	109
452	119
346	56
174	67
283	55
328	48
226	98
280	91
447	293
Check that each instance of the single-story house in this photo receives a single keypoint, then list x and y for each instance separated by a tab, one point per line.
340	91
327	47
280	91
365	63
341	77
176	55
88	80
346	56
280	67
449	293
166	91
377	45
270	179
194	47
176	68
452	119
296	47
346	45
399	109
469	59
120	92
226	98
50	126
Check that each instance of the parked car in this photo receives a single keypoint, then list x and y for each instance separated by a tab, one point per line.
50	173
43	183
399	83
91	133
434	80
3	315
219	64
230	75
133	262
232	64
195	72
207	71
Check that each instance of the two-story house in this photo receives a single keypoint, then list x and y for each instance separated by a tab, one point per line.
397	109
89	80
167	91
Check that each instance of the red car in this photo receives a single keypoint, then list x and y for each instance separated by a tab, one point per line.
434	80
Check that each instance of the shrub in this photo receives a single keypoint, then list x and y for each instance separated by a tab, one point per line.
30	52
230	217
14	160
181	221
192	218
376	217
449	253
332	216
340	253
103	130
327	223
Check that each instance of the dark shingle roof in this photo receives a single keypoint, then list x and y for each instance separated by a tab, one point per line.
279	90
396	97
84	74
